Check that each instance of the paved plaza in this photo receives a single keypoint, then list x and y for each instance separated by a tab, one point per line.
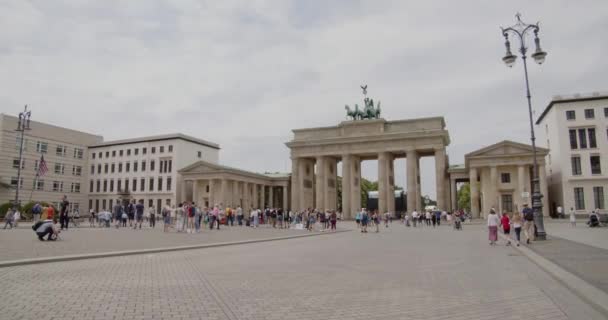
400	273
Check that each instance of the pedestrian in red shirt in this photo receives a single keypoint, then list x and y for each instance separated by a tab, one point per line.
506	226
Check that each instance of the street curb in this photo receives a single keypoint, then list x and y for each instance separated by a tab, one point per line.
13	263
587	292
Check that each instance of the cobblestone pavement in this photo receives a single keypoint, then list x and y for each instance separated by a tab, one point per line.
22	243
400	273
597	237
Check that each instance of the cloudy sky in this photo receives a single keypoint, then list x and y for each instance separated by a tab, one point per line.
244	73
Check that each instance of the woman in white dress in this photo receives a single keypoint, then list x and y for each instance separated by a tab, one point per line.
572	218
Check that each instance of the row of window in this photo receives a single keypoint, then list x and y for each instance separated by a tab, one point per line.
108	204
39	185
594	160
108	185
589	114
59	167
144	150
582	138
43	147
598	198
165	166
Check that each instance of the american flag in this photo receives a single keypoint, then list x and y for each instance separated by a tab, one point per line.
42	168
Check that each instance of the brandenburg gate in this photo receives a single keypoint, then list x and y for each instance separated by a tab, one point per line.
316	152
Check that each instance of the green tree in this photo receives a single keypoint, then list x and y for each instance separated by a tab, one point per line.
464	197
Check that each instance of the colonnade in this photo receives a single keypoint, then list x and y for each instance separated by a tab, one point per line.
233	193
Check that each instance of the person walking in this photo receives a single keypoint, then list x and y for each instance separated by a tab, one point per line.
333	218
364	220
493	223
139	214
253	217
152	216
516	221
36	212
239	215
528	215
376	220
16	218
166	213
506	227
358	219
179	215
427	216
8	218
572	218
197	218
415	218
64	219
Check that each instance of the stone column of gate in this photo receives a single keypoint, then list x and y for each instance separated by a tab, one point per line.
320	183
306	176
440	178
382	182
284	204
453	195
355	187
296	184
390	193
331	182
419	203
474	188
412	193
347	211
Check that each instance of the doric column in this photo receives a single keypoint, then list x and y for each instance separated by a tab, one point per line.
390	192
236	195
254	188
223	192
285	205
412	192
521	186
382	182
474	192
419	203
440	178
183	188
320	183
306	167
493	192
295	185
195	196
246	204
211	193
355	187
453	195
271	197
542	176
346	183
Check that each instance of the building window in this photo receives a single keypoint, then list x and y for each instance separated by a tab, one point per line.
596	167
570	115
135	166
128	152
136	151
41	147
119	185
507	202
107	154
59	168
113	153
151	184
98	186
142	183
582	138
105	168
112	167
153	150
38	184
127	185
143	165
61	150
160	183
605	112
96	205
200	154
171	146
207	189
573	141
576	166
75	188
112	185
93	155
144	150
16	164
152	165
57	186
592	141
100	154
505	178
589	114
134	184
91	186
120	167
579	199
598	197
128	167
14	182
161	149
78	153
120	153
170	165
168	183
105	185
99	168
76	170
103	204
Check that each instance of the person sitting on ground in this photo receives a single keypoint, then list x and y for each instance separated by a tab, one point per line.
594	220
46	227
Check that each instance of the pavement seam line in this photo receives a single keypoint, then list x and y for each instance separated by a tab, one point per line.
590	294
22	262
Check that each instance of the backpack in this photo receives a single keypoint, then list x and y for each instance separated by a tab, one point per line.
164	212
529	215
37	225
37	209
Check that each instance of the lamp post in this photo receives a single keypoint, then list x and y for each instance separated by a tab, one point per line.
520	30
22	126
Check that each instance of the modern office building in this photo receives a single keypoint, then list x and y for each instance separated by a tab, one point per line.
575	130
143	169
64	152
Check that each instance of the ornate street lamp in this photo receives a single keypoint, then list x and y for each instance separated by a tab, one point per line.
520	30
22	126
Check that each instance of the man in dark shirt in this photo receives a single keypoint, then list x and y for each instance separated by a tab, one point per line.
139	214
64	218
